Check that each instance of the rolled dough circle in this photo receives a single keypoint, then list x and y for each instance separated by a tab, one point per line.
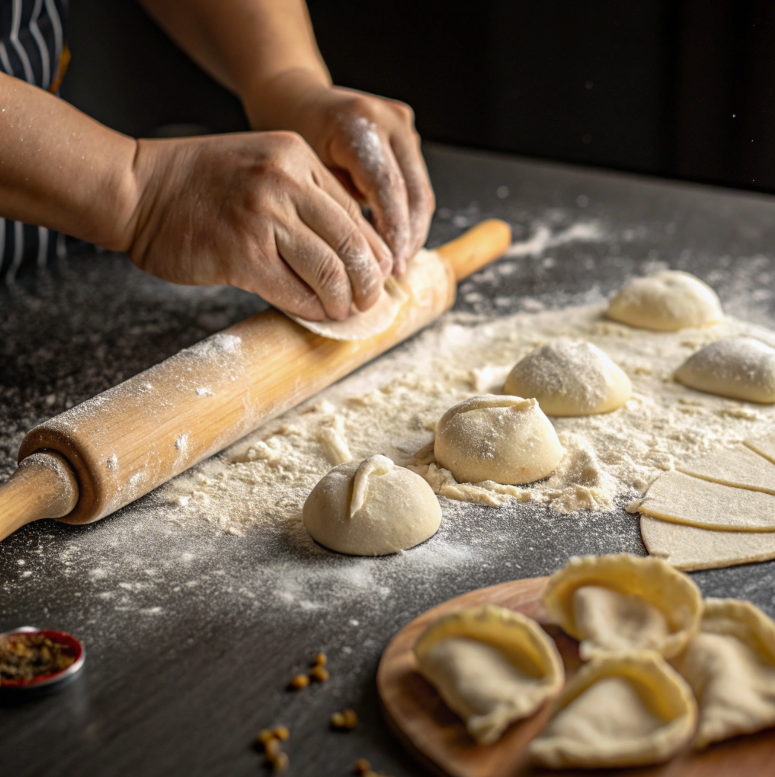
667	302
371	508
505	439
570	378
737	367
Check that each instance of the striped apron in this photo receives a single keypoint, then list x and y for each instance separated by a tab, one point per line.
32	48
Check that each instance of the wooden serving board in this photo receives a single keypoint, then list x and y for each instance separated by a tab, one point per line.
438	739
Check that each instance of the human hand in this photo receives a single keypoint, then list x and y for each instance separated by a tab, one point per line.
258	211
370	143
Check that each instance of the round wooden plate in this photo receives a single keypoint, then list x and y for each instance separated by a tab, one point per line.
438	739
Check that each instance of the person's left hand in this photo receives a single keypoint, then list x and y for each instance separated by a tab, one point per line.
371	144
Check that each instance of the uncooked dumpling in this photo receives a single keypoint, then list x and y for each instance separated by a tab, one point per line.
627	709
505	439
667	301
492	666
738	368
730	665
570	379
623	602
371	508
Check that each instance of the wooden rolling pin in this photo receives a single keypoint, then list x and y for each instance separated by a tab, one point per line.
103	454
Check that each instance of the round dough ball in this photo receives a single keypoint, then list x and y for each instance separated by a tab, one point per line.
570	378
371	508
738	368
501	438
667	301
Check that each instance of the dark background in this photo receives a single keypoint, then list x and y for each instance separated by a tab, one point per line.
677	88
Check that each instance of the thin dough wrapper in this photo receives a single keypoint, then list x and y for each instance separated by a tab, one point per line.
491	666
667	301
371	508
623	602
680	498
429	282
570	379
738	368
739	466
628	709
505	439
730	666
689	548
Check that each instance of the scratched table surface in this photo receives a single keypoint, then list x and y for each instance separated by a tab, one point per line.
189	645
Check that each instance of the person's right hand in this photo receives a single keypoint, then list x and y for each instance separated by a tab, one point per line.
258	211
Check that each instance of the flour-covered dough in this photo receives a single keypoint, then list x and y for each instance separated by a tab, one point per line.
667	301
737	367
690	548
622	602
371	508
627	709
492	666
730	666
738	466
684	499
505	439
570	378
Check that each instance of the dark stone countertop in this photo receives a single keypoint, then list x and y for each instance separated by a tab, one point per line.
184	667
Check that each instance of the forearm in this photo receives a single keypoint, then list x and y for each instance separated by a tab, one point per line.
250	46
62	170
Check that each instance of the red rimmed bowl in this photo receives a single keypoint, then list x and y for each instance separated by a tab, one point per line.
71	646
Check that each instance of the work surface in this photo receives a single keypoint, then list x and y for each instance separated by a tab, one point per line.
192	634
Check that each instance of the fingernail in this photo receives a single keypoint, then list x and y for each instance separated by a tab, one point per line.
386	266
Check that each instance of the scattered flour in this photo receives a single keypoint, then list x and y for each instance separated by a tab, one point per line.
391	407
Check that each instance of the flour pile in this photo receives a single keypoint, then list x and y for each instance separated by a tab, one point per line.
392	406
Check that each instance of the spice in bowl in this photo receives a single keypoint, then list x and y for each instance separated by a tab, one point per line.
32	657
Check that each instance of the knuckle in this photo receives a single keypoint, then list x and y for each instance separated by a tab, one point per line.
403	110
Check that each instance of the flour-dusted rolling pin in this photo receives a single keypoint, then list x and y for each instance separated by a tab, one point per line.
105	453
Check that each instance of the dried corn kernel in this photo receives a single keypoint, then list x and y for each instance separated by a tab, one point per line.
280	763
321	659
319	673
281	733
362	767
299	681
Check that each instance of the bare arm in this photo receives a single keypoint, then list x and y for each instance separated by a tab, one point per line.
258	211
265	51
63	170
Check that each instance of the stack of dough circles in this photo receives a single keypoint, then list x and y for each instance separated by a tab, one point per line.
491	666
624	709
737	367
623	602
667	302
371	508
570	379
505	439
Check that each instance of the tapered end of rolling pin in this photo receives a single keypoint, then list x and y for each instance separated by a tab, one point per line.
43	486
477	247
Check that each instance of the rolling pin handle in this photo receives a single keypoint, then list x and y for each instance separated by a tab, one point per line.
43	486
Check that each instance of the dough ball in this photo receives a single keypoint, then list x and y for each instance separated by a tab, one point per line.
570	378
501	438
738	368
371	508
667	301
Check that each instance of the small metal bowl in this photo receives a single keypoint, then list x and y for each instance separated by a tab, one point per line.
71	645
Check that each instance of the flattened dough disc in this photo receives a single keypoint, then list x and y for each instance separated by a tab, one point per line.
683	499
739	466
359	325
764	446
690	548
